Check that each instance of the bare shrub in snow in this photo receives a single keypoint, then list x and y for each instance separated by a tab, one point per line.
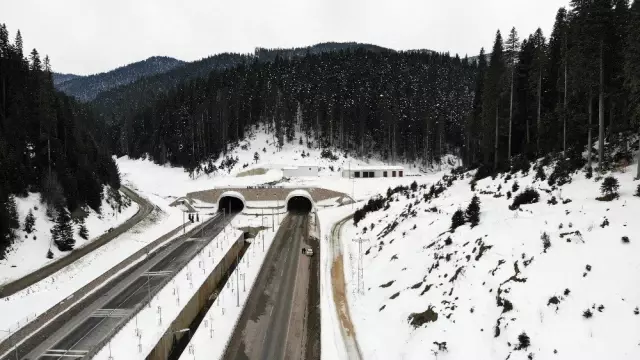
419	319
546	242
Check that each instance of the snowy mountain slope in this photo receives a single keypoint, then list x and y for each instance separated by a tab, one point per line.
172	182
478	289
29	251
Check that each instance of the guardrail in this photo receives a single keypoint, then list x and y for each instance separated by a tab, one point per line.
197	301
66	307
105	340
145	208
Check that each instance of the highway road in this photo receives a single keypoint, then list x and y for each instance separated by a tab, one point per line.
145	208
273	323
89	323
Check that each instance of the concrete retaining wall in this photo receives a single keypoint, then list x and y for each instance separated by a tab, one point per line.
191	310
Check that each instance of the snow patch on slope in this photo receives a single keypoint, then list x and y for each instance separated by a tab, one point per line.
413	264
29	251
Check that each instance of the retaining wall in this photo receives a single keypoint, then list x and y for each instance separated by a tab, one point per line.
191	310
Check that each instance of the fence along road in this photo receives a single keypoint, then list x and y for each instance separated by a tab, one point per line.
84	332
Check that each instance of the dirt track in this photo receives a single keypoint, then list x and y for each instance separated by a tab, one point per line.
339	293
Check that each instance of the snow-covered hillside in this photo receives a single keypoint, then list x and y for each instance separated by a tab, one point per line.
499	290
171	182
29	252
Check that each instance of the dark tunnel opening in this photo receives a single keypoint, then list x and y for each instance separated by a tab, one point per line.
230	205
299	205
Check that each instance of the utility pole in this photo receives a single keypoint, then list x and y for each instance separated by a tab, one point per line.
149	288
353	186
238	272
360	265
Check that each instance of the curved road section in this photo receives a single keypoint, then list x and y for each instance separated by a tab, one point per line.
338	283
145	208
277	314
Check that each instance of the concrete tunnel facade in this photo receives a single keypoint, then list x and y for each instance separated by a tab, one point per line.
231	201
299	201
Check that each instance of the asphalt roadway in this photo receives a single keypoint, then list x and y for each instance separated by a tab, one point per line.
273	323
145	208
116	301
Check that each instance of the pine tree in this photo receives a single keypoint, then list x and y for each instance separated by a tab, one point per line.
35	65
473	211
62	232
475	131
511	56
632	66
12	209
29	222
491	101
457	219
539	44
555	80
17	45
610	186
256	157
82	230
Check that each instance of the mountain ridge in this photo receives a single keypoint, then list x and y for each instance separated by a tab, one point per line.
86	88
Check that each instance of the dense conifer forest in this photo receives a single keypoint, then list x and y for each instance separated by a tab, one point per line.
398	105
526	97
523	99
46	142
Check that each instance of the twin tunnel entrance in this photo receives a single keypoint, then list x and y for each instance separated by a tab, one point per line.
297	201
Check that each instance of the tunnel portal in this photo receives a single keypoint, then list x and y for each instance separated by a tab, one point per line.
231	202
299	204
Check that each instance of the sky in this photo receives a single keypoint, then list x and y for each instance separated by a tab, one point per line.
90	36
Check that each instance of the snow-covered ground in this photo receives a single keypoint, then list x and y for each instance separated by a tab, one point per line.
464	287
27	304
141	334
169	183
333	346
29	252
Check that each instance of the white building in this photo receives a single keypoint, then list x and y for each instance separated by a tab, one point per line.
302	170
373	171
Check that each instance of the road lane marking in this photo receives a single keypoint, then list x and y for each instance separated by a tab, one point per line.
60	353
113	313
157	273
